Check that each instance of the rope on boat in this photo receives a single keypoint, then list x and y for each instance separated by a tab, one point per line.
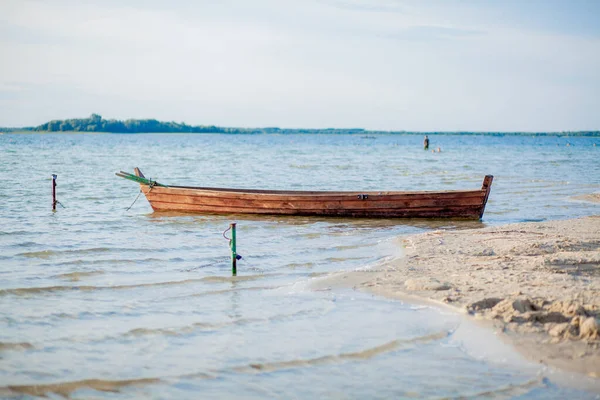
234	255
226	238
151	185
138	196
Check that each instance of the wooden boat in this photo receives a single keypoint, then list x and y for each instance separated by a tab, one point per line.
468	204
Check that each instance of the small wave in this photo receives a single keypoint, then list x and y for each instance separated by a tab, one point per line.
105	261
217	292
337	358
532	220
2	233
307	265
74	262
196	326
348	247
302	166
344	259
76	276
171	331
509	391
15	346
25	244
317	274
52	289
311	235
590	198
184	330
63	315
45	254
65	389
91	198
38	254
223	279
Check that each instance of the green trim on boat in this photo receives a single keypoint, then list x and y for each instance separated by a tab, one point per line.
138	179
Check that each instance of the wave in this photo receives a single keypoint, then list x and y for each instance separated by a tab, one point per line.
84	288
24	244
104	261
8	233
343	357
307	265
184	330
65	389
509	391
15	346
89	288
179	330
76	276
207	326
45	254
244	278
344	259
223	291
302	166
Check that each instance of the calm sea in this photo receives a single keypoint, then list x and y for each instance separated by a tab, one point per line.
97	301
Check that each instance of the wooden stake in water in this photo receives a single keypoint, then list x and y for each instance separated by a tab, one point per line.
233	250
54	192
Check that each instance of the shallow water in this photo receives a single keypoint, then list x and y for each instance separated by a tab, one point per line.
116	303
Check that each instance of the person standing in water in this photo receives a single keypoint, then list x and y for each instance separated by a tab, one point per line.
426	143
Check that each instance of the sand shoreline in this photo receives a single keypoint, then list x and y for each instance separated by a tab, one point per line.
538	284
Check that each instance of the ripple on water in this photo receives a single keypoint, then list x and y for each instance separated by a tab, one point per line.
342	357
239	278
28	291
46	254
77	275
4	346
65	389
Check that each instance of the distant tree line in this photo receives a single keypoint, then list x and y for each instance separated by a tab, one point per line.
95	123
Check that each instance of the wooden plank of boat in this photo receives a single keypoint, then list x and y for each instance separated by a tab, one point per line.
372	204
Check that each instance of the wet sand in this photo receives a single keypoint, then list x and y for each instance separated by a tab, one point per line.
537	284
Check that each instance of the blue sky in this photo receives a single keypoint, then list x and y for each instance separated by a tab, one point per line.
379	64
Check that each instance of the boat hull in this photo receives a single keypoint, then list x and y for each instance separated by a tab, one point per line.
464	204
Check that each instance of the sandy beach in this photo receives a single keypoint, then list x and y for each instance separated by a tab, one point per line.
537	284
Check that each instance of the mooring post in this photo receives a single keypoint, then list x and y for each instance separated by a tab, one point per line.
233	250
54	192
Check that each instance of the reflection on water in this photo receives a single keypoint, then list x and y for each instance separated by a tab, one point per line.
97	301
341	222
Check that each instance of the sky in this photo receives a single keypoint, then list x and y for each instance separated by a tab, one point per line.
428	65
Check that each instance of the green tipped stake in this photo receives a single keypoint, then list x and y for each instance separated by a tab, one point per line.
233	250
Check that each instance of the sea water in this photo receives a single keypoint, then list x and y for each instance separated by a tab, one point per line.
104	298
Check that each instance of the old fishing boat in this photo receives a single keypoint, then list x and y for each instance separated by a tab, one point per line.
468	204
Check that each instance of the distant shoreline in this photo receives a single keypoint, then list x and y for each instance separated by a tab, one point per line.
21	131
96	124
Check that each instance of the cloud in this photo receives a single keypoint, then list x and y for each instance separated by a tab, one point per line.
392	65
366	6
425	33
